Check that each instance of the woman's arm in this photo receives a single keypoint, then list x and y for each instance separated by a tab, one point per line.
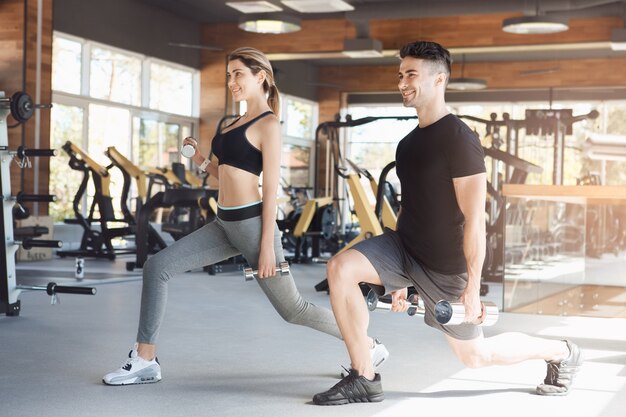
212	168
271	146
198	159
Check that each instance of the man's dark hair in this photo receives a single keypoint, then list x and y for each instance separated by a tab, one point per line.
428	51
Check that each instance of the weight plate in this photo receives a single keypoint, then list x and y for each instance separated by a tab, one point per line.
21	106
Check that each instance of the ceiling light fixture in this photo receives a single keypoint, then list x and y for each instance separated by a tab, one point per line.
273	23
363	48
534	25
464	84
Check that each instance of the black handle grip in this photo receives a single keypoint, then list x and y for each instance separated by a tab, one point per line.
34	243
53	288
42	198
23	152
29	231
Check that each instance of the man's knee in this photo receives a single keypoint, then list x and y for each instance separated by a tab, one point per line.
338	271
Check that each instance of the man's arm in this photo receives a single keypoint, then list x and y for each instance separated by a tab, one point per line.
471	194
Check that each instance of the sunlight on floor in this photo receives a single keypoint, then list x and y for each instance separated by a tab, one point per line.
491	391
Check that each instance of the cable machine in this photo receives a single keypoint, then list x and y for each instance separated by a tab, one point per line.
370	222
507	167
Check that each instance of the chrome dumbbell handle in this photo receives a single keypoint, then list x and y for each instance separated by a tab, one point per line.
446	313
282	268
451	314
374	302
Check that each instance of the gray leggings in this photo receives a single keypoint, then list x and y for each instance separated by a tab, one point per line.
212	243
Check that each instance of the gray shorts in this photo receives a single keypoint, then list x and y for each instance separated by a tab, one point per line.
397	269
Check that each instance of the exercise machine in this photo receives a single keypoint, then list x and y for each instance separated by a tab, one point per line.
96	243
369	223
339	177
170	197
130	170
387	202
20	106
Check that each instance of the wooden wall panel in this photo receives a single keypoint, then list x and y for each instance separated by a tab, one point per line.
499	75
11	41
484	30
41	167
12	80
213	96
450	31
315	36
11	67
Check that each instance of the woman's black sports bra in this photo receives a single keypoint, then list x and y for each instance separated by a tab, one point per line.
233	148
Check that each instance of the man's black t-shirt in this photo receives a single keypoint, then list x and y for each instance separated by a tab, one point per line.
431	223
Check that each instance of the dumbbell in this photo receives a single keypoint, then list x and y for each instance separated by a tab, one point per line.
282	268
446	312
452	314
374	302
188	151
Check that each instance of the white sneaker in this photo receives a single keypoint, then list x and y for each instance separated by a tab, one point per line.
136	370
379	355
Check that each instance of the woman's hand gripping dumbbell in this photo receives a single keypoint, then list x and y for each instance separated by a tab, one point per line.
446	312
190	150
282	268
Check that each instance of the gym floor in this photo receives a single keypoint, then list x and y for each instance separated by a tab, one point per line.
224	351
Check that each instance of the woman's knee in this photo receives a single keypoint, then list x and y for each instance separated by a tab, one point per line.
155	267
291	312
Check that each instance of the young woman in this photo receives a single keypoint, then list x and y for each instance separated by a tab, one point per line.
245	223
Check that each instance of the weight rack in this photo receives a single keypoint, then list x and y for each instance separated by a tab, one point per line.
20	107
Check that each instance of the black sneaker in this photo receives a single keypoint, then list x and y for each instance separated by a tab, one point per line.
354	388
561	374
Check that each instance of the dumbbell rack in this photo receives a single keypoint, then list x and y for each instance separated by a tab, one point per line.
9	289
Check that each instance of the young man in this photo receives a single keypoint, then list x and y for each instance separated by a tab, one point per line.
438	247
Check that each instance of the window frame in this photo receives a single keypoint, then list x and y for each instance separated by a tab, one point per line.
143	111
298	141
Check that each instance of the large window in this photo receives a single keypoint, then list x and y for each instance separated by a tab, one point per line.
299	117
299	124
539	147
156	143
104	96
171	89
115	76
372	146
67	125
66	64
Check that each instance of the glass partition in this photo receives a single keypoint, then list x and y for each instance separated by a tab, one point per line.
565	258
543	256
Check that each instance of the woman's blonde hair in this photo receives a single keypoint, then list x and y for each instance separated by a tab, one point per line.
257	61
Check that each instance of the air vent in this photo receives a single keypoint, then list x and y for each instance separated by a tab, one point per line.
362	48
254	6
317	6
